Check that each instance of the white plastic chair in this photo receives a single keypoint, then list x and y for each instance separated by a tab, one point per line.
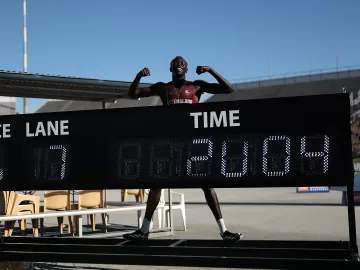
159	210
175	206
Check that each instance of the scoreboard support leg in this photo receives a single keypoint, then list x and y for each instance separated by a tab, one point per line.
107	218
171	213
352	222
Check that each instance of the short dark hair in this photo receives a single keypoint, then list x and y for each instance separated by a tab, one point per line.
178	57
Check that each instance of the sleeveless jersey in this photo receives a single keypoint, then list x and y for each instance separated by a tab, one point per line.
184	95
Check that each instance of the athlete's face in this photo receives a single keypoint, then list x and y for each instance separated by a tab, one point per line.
179	67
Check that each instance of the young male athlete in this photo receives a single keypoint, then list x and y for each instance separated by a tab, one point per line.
179	91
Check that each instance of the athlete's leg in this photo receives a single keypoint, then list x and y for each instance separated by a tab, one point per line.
213	202
214	205
151	204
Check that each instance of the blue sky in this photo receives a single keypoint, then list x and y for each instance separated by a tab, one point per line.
114	39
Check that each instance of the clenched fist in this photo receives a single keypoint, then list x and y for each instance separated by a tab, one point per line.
144	72
202	69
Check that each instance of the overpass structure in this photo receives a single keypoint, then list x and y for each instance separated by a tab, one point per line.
69	93
303	85
74	93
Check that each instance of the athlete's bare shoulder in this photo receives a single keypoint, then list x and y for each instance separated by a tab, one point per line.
199	82
195	84
158	85
162	86
156	88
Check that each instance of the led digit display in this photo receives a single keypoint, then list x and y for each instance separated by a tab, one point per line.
171	147
199	160
129	160
49	162
315	154
161	159
276	155
55	162
234	157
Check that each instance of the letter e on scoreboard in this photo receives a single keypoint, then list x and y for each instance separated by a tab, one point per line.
5	131
234	118
64	128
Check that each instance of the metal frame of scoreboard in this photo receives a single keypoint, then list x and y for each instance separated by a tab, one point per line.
175	252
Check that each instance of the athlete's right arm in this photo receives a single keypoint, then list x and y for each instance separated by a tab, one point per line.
137	92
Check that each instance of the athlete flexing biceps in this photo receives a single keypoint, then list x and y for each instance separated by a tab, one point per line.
180	91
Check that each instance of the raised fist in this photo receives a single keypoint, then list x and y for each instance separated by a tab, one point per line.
144	72
202	69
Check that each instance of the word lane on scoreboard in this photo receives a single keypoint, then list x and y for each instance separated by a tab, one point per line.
285	142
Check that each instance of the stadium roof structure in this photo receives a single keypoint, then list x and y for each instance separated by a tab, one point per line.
295	85
76	93
33	85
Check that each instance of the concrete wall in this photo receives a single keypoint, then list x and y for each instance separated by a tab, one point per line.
7	105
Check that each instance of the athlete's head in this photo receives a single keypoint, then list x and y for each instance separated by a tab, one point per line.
178	67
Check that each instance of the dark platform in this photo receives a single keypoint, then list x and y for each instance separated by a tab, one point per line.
177	252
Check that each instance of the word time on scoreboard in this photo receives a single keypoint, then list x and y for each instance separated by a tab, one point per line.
285	142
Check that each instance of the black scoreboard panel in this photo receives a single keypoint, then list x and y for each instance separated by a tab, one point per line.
285	142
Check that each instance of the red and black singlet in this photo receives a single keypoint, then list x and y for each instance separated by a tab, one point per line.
181	95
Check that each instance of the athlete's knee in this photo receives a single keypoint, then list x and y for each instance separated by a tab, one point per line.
154	195
155	191
209	191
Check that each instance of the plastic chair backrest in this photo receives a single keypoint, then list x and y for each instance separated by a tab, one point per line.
56	199
162	196
3	202
133	191
91	198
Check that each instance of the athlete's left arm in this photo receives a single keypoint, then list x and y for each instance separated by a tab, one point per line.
222	87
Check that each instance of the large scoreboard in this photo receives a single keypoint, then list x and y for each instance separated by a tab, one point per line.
284	142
